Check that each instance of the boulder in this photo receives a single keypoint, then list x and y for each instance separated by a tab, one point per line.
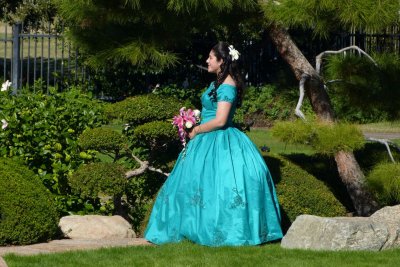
338	233
95	227
391	217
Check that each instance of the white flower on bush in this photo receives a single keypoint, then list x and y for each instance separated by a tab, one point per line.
4	124
5	86
188	124
234	53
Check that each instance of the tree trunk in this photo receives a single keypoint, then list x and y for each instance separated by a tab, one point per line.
353	178
348	168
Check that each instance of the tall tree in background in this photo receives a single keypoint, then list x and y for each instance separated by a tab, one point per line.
34	14
323	17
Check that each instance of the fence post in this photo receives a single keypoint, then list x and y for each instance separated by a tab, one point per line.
16	61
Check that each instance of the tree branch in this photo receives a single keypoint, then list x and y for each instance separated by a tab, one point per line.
318	59
144	165
298	112
386	143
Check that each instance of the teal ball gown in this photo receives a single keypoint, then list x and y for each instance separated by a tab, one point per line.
220	191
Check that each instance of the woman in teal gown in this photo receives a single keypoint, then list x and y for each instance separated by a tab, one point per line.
220	191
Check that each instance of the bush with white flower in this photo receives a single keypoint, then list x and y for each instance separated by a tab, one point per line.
4	88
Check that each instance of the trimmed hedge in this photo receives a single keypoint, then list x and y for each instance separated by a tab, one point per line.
154	134
102	139
27	210
299	192
101	177
144	108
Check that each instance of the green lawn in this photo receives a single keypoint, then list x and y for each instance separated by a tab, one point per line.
28	47
386	127
188	254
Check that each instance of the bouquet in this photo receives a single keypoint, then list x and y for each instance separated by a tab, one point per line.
185	121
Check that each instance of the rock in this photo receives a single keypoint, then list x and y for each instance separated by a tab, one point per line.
96	227
339	233
391	217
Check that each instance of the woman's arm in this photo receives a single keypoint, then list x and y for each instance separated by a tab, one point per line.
221	117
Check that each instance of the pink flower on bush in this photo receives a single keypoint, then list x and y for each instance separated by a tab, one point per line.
185	121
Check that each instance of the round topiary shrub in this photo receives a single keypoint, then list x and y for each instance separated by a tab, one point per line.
154	134
27	211
144	108
101	177
102	139
384	182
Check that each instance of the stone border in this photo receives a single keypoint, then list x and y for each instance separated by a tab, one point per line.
63	245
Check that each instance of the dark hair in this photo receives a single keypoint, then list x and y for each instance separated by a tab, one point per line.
228	67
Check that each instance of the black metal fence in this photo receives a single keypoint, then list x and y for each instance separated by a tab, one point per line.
42	59
39	59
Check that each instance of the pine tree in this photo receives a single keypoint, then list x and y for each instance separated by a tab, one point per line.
138	31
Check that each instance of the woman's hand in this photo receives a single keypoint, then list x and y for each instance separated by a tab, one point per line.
192	133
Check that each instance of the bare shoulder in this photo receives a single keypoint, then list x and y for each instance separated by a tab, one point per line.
229	80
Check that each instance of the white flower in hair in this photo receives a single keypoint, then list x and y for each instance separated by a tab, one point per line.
234	53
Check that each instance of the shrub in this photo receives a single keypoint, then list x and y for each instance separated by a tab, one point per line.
27	211
338	137
43	130
300	192
92	179
263	105
188	96
325	138
102	139
154	134
144	108
384	182
140	193
373	154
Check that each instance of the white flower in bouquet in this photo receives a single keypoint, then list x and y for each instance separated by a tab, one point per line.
196	113
188	125
5	86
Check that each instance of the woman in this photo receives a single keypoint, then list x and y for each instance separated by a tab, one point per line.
221	192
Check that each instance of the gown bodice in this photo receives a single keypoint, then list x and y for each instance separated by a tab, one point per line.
225	92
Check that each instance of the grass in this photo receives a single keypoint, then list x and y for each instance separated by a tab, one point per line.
188	254
385	127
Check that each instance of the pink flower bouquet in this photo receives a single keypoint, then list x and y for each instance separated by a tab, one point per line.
185	121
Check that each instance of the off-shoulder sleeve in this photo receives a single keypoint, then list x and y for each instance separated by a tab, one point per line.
226	93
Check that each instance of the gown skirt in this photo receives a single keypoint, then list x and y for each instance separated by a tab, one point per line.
219	193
